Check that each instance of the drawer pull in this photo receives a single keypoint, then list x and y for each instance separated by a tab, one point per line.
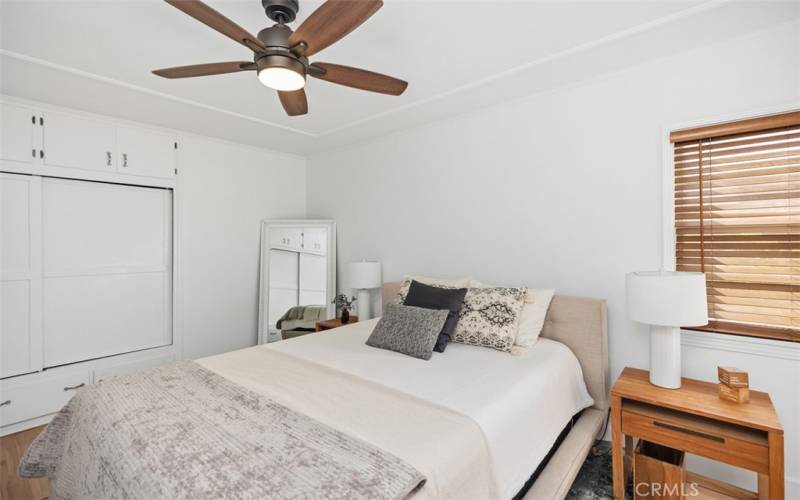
73	387
6	402
689	431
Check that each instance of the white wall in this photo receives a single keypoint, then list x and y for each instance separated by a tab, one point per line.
560	189
224	191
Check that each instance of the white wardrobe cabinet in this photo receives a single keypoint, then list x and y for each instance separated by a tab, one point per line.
287	238
143	151
315	240
86	255
17	133
20	274
40	397
75	141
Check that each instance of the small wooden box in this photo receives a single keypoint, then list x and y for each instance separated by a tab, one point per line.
659	472
735	394
733	377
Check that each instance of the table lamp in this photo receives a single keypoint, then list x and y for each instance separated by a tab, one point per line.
666	300
365	276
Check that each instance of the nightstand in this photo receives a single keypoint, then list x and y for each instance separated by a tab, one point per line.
693	419
329	324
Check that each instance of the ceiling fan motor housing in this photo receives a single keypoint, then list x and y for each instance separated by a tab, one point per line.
281	11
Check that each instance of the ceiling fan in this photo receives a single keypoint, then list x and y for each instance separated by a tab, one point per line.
281	55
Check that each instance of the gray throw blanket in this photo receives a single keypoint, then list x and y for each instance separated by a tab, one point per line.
301	317
182	431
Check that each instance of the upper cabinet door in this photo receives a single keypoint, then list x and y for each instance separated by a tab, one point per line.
145	152
17	134
78	142
286	238
315	240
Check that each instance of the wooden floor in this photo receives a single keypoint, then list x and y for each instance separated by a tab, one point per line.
12	487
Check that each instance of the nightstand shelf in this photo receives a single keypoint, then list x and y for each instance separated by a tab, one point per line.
693	419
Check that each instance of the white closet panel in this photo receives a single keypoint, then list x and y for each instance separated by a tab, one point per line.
87	317
20	274
313	279
94	226
107	269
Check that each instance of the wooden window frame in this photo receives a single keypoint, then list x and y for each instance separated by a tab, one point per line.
694	131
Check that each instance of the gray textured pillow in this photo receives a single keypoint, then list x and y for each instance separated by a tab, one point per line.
408	330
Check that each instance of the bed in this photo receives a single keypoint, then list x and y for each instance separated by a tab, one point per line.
473	422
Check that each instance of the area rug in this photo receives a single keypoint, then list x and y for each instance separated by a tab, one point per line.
594	479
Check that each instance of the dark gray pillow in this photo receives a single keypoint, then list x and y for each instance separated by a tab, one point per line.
408	330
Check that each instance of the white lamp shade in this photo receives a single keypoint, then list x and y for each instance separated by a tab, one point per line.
667	298
365	275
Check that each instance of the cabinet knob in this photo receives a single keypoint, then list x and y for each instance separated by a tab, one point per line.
108	158
6	402
73	387
124	159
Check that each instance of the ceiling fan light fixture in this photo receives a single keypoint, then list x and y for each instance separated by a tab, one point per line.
281	73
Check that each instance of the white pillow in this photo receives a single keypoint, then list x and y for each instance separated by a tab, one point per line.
444	283
534	311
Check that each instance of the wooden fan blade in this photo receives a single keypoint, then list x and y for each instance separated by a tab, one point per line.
205	69
331	22
294	102
357	78
214	19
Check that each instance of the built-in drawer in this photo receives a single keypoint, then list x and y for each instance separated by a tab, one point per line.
101	374
44	396
727	443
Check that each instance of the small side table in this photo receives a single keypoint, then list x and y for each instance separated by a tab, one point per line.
695	420
329	324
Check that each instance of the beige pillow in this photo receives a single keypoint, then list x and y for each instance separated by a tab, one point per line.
533	314
438	282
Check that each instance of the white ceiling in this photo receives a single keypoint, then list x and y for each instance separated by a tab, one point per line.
456	55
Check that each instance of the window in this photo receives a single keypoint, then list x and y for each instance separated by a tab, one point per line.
737	219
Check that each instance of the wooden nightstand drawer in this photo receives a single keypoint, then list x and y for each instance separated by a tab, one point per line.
729	443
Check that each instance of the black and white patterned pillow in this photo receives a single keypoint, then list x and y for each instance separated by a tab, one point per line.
490	317
408	330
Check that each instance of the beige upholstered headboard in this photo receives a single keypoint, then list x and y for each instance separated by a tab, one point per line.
579	323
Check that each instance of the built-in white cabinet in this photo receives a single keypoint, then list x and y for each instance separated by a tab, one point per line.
74	141
86	257
56	139
17	137
315	239
142	151
20	274
40	396
287	238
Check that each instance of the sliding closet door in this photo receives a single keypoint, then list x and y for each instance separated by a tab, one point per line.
283	283
107	269
20	274
313	279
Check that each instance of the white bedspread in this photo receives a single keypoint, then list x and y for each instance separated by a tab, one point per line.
521	403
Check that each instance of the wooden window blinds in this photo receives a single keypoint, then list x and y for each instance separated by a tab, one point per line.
737	219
